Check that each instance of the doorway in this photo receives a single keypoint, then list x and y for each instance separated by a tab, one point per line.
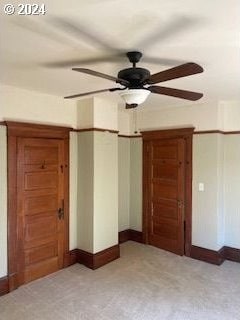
38	236
167	189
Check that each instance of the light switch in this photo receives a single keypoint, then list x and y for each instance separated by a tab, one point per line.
201	186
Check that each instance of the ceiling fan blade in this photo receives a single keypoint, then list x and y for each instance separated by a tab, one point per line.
183	94
91	92
102	75
77	31
177	25
118	57
162	61
39	28
186	69
75	62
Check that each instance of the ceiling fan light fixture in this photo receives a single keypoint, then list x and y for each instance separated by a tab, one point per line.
134	96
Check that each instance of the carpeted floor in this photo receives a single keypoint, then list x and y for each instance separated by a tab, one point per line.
146	283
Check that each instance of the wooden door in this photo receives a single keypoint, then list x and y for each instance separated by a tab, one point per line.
40	207
166	193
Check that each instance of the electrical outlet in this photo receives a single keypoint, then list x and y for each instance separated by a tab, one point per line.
201	186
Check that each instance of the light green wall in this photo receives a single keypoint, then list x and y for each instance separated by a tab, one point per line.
97	190
130	183
73	168
136	184
123	183
215	211
207	213
232	189
221	192
105	190
85	191
3	202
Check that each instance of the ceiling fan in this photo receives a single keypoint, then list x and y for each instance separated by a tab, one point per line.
137	83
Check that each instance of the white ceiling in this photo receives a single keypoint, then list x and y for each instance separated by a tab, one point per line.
201	31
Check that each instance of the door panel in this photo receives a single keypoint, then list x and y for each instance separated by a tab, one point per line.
40	226
165	230
165	171
41	253
165	216
165	209
40	184
164	151
41	269
37	180
34	155
40	204
163	190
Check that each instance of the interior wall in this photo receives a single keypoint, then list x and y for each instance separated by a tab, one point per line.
105	114
3	202
230	115
124	122
98	175
85	113
123	183
73	168
136	184
221	192
206	210
201	116
97	191
105	190
95	112
85	191
130	183
232	190
30	106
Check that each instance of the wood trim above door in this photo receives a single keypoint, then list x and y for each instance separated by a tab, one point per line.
95	129
187	134
170	133
17	130
23	129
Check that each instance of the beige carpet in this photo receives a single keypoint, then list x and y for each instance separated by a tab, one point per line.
145	283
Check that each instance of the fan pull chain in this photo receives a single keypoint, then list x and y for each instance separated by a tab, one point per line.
135	120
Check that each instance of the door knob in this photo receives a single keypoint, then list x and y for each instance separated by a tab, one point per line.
61	211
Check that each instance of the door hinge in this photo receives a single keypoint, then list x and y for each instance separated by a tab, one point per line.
180	204
61	168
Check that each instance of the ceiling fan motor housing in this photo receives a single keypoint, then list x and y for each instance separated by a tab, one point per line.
136	76
134	56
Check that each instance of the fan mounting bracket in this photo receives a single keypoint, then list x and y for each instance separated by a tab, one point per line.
134	56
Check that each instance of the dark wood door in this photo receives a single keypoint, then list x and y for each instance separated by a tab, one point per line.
40	207
166	185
